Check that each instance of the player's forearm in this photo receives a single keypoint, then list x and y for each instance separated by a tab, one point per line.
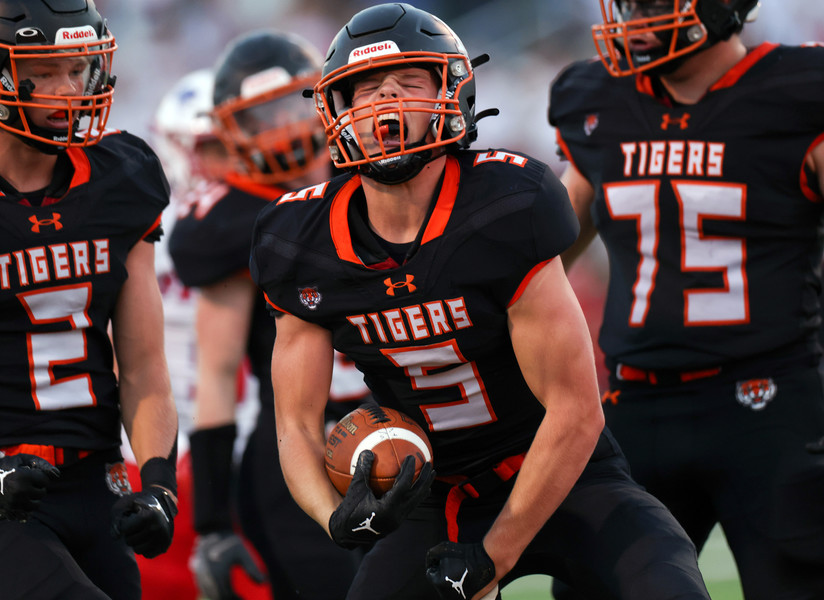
149	413
301	458
554	462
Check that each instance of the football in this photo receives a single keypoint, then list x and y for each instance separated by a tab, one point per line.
388	433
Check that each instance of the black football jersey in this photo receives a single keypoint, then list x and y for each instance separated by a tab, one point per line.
708	213
212	241
430	335
62	266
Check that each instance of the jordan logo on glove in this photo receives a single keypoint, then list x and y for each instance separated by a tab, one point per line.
458	585
366	525
3	475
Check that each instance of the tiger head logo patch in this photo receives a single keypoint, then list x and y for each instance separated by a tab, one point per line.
590	123
117	479
755	393
310	297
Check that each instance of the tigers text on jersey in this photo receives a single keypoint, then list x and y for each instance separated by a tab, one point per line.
62	266
430	335
708	212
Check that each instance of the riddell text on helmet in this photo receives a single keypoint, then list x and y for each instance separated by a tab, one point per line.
377	49
72	35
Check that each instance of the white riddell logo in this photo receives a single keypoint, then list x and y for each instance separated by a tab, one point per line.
458	585
4	474
75	35
376	49
366	525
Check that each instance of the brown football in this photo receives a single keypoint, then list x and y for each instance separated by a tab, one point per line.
388	433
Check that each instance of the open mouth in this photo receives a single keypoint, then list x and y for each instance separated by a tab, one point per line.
640	44
388	131
59	119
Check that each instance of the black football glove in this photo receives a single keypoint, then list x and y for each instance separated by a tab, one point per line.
23	482
362	518
459	571
145	520
212	561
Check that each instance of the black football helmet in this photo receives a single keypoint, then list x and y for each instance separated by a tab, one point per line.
394	36
260	112
682	26
33	30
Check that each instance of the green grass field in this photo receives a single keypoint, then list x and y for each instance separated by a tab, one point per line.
716	564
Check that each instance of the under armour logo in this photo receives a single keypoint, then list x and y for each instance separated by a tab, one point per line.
391	286
366	525
54	221
682	121
3	475
458	585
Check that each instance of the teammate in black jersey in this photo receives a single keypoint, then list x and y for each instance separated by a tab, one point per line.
80	209
702	172
277	141
435	269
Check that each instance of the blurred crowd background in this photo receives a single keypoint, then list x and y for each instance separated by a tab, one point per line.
529	42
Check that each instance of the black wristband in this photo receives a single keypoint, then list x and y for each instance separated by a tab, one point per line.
161	471
212	451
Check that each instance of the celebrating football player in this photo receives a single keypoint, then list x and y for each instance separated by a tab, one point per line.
436	269
700	163
276	143
81	209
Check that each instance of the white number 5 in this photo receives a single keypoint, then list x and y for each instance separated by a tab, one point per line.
419	362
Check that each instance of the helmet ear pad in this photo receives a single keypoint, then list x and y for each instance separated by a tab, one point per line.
723	19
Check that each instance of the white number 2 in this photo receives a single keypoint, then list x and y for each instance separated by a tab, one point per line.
700	252
419	362
46	350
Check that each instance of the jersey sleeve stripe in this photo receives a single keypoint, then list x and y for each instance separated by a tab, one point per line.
527	279
565	149
154	226
275	306
811	192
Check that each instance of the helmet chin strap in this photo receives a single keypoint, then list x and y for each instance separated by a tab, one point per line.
42	132
684	37
409	168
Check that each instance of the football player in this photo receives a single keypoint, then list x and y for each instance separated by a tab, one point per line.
700	163
436	269
277	143
81	208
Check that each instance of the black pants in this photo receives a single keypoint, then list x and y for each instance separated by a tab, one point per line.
610	537
65	551
712	459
